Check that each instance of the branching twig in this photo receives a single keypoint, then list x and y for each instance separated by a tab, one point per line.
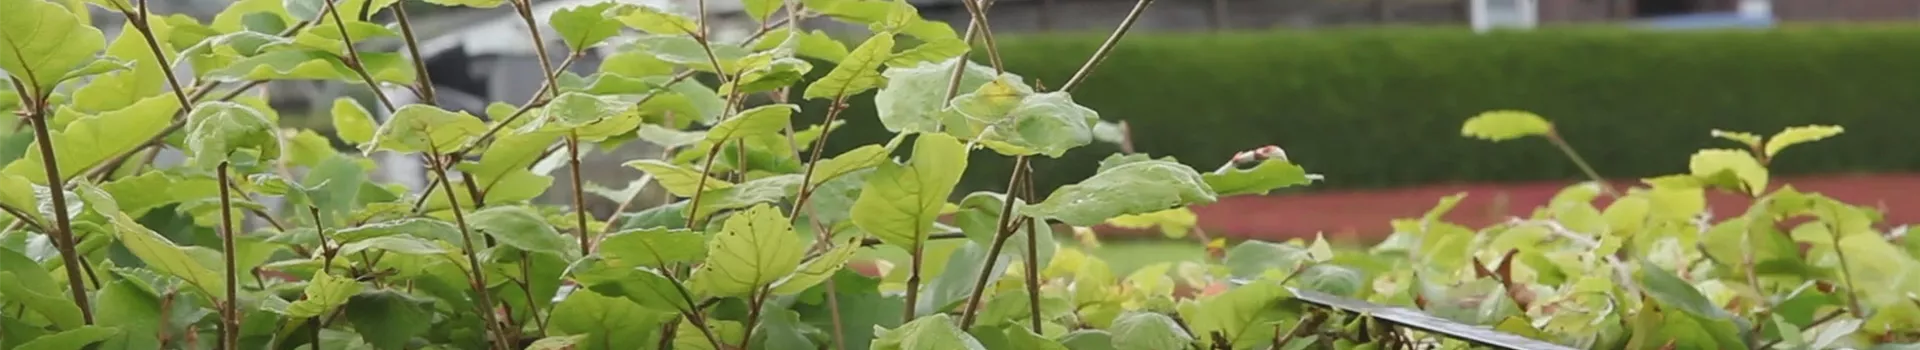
1106	48
63	226
1006	227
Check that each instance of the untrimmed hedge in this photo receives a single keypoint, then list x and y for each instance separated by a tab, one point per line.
1383	107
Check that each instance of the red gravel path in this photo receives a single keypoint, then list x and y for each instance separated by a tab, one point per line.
1364	215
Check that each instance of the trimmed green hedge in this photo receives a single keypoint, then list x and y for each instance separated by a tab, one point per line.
1376	108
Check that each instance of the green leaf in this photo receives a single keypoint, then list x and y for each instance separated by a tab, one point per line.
77	338
159	253
932	51
389	319
585	25
609	323
314	64
1241	315
1730	168
1137	187
899	202
754	249
746	194
1798	135
324	293
657	21
48	301
424	128
40	43
591	118
1270	175
417	227
817	270
352	122
1748	139
932	332
217	129
678	180
91	140
652	247
864	157
569	342
815	44
1505	125
669	138
760	9
326	37
1009	117
1148	331
123	305
522	227
857	73
914	97
763	120
16	192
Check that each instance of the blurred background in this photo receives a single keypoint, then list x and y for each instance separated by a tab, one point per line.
1369	93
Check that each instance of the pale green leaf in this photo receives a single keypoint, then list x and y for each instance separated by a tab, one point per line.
77	338
590	118
1148	331
914	96
159	253
748	193
899	202
1174	223
388	319
314	64
585	25
817	270
1747	139
1798	135
485	4
46	300
1132	188
652	247
931	51
1240	315
122	304
94	139
678	180
1505	125
217	129
16	193
857	73
425	128
669	138
40	43
760	9
814	44
657	21
754	249
856	159
1009	117
763	120
326	37
935	332
609	323
324	293
1730	168
521	227
352	122
1270	175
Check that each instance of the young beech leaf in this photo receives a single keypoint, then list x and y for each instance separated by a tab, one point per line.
1731	169
899	202
585	25
425	128
915	96
591	118
1009	117
522	227
678	180
217	129
1748	139
1148	331
815	44
1174	223
91	140
754	249
763	120
657	21
864	157
1271	174
1136	187
40	43
857	73
324	293
936	331
159	253
609	323
652	247
387	319
352	122
77	338
1798	135
817	270
16	193
1505	125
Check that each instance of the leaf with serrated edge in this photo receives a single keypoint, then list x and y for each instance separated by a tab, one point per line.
351	121
216	129
856	73
40	43
159	253
763	120
899	202
913	97
753	249
424	128
937	331
91	140
324	293
585	25
652	247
